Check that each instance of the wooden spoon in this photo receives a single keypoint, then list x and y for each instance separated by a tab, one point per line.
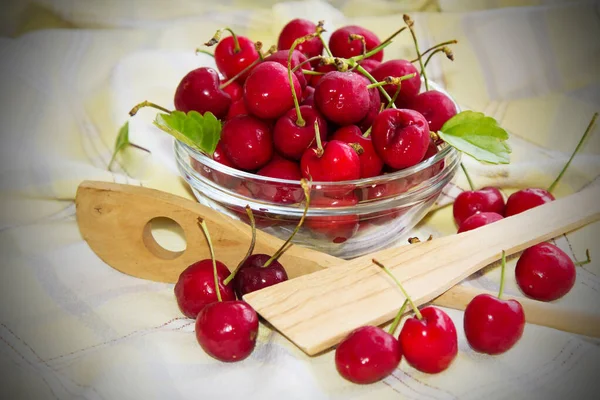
326	297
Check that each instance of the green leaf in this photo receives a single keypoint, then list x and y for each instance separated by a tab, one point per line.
478	135
202	132
121	142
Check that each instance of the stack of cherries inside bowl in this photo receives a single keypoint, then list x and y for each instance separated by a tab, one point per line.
361	129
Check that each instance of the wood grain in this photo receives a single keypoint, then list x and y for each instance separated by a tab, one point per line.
316	311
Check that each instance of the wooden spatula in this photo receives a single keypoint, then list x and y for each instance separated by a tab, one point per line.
326	297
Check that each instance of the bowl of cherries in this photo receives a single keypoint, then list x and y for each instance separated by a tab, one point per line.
376	139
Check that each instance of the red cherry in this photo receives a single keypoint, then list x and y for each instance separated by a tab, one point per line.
341	45
429	344
199	91
267	90
436	107
238	107
280	168
220	156
470	202
298	28
314	79
281	57
493	326
367	355
478	220
342	97
308	96
398	68
374	108
338	162
247	142
195	287
338	228
253	275
370	163
545	272
526	199
231	62
234	90
291	140
369	64
227	330
400	137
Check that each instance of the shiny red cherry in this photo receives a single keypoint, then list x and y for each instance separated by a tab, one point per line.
336	161
398	68
367	355
199	91
253	275
400	137
470	202
297	28
314	79
342	97
195	287
436	107
370	163
526	199
231	61
545	272
430	344
280	168
342	46
291	140
234	90
308	96
281	57
478	220
374	109
238	107
227	330
493	326
247	141
220	156
338	228
267	90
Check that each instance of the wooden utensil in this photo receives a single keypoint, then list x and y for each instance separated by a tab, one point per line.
326	297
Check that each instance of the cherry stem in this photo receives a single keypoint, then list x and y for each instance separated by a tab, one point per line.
306	188
391	80
502	271
367	132
297	67
373	80
444	50
396	93
250	249
299	120
388	40
217	37
212	255
387	271
146	103
587	261
437	46
205	52
409	22
354	36
307	72
371	52
579	145
320	150
467	176
398	317
319	31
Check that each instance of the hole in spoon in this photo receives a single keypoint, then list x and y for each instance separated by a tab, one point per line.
164	238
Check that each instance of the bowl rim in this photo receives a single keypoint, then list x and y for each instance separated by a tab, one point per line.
388	176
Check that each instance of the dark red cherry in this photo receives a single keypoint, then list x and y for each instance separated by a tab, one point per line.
238	107
342	46
195	287
492	325
478	220
291	140
545	272
374	109
338	228
199	91
234	90
470	202
342	97
220	156
308	96
367	355
370	163
253	275
281	57
227	330
298	28
526	199
400	137
280	168
231	62
338	162
314	79
247	141
398	68
436	107
267	90
369	64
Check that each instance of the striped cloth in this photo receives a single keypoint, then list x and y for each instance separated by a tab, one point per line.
72	327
